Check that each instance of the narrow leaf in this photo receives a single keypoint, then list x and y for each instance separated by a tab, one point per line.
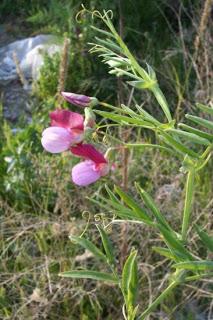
205	108
188	202
205	238
203	122
199	133
174	244
123	119
151	205
129	282
132	204
162	101
88	274
191	137
86	244
195	265
177	145
174	255
107	245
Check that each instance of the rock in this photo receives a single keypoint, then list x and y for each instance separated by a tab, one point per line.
29	53
15	90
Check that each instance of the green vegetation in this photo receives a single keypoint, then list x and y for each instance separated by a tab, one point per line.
50	227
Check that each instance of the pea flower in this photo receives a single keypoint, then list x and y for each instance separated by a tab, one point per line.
67	129
92	168
79	100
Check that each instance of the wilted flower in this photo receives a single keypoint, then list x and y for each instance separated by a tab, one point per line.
67	129
80	100
93	168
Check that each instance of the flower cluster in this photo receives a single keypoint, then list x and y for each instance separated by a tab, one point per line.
67	132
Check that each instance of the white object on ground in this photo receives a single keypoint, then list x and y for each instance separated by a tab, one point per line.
29	52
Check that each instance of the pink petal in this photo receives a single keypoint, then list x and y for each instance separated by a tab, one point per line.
89	152
76	99
56	139
67	119
84	173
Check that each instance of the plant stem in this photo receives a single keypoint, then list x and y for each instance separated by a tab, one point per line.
161	297
188	202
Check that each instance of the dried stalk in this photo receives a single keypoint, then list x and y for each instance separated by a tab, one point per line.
19	71
203	23
63	69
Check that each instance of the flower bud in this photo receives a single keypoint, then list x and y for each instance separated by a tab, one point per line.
90	118
79	100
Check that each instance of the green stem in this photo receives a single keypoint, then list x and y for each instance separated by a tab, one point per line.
160	298
188	202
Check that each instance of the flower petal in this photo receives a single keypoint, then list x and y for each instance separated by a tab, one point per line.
84	174
56	139
67	119
89	152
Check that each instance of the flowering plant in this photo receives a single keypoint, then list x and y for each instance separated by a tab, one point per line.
67	133
178	140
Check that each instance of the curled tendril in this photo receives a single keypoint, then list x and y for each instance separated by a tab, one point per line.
87	216
99	217
95	13
108	14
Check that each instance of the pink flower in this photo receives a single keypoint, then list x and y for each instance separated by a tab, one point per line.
79	99
93	168
67	129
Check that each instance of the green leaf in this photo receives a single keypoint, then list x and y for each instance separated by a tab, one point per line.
129	281
147	116
191	137
118	209
161	100
141	84
195	265
151	205
123	119
174	255
199	133
108	34
190	184
141	213
107	245
205	238
88	274
86	244
149	145
203	122
177	145
174	244
205	108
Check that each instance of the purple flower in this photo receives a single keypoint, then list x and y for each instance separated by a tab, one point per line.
79	100
93	168
67	129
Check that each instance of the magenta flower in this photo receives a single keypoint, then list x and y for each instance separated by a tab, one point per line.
93	168
79	99
67	129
